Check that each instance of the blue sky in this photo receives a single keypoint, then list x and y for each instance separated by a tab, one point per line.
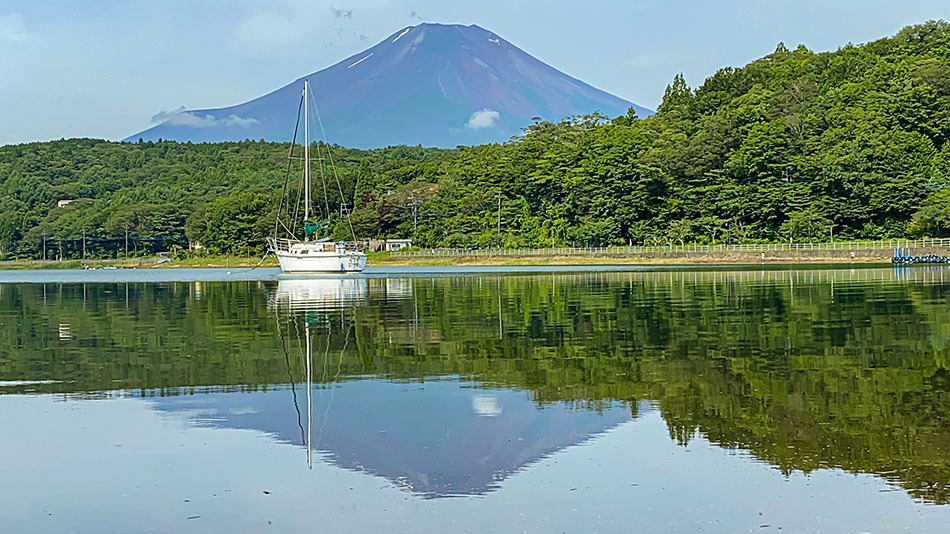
88	68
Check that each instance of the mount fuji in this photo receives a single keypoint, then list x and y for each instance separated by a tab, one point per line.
432	84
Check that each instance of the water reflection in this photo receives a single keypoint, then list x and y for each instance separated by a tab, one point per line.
434	438
318	293
449	385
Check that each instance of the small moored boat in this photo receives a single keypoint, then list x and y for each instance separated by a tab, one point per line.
321	256
295	242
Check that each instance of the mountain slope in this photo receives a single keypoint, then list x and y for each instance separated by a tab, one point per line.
431	84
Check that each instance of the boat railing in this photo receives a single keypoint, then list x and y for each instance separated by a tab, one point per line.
284	245
280	245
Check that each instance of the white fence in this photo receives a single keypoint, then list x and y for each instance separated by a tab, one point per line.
887	245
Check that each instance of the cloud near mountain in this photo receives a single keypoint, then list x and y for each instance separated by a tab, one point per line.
187	118
485	118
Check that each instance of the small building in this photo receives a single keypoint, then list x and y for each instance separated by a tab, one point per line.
395	245
64	202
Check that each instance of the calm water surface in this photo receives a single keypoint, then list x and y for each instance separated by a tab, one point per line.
656	401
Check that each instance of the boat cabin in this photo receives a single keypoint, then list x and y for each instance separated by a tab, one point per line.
313	247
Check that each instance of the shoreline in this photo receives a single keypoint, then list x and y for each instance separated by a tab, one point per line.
202	274
568	261
685	260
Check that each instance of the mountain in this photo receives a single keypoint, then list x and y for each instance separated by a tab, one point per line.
431	84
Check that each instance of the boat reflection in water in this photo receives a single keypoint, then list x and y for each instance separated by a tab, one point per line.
318	294
433	436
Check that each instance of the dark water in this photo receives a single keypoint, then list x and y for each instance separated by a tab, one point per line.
765	401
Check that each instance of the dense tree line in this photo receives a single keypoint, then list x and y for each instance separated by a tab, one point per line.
797	145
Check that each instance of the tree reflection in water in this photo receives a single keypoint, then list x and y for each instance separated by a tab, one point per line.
805	369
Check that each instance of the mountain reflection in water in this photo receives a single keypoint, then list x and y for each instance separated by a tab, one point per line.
437	438
447	385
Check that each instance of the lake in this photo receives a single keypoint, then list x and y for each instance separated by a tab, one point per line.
528	400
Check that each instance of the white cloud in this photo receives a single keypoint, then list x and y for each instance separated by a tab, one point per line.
234	120
247	410
188	118
163	116
13	28
485	118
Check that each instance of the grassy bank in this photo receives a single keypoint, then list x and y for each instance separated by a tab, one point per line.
844	253
149	262
601	260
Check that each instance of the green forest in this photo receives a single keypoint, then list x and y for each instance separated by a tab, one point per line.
798	145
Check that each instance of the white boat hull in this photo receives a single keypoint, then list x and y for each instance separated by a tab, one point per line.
326	262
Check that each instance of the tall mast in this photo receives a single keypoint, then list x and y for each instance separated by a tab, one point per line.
306	154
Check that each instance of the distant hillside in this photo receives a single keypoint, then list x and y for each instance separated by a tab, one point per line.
797	145
431	84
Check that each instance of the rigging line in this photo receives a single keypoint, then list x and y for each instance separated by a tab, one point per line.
290	161
356	338
326	353
339	364
296	208
333	166
304	190
323	178
303	364
290	374
297	201
339	367
299	344
266	254
323	381
288	230
356	187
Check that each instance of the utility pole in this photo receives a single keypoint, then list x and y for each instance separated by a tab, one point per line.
83	243
415	214
44	247
126	242
498	194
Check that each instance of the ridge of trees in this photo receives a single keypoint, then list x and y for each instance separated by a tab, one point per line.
797	145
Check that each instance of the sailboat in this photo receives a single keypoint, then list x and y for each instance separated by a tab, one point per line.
306	252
